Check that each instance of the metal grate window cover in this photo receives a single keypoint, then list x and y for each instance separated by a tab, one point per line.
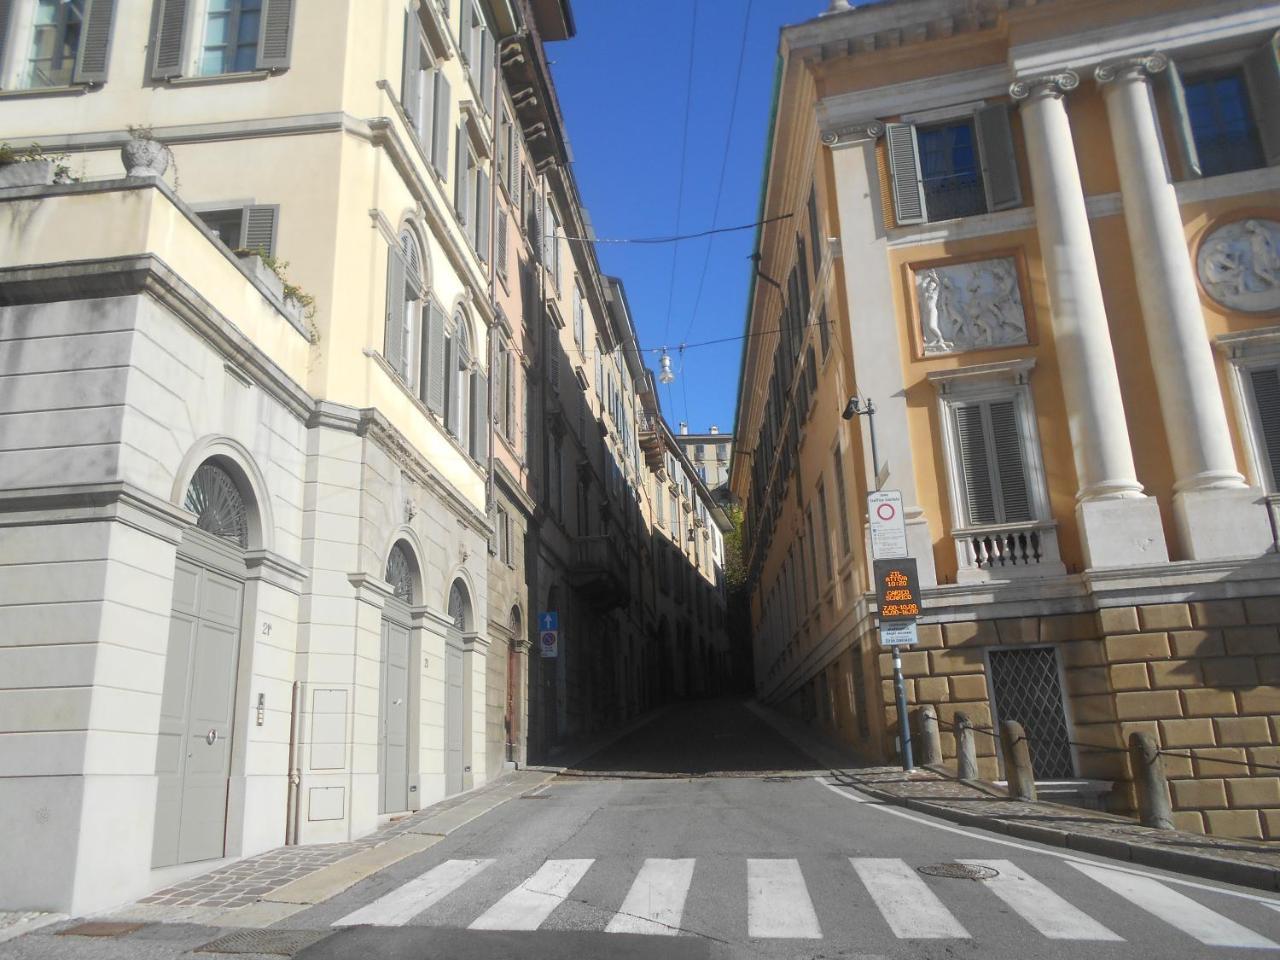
1025	686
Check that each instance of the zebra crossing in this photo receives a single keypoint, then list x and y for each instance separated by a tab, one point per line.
779	904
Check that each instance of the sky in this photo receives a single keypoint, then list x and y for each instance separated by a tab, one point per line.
623	81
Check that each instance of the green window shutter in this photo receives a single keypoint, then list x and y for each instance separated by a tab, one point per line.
995	150
482	215
95	42
440	125
1011	469
169	39
411	79
1175	97
1262	72
904	171
434	375
393	333
258	228
1266	406
479	416
975	465
275	35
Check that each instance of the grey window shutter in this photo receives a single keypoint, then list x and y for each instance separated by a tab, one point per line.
275	35
1266	404
460	185
6	15
434	377
904	170
504	390
500	244
169	39
95	42
1176	98
393	334
479	416
1262	72
440	121
258	228
482	215
466	32
452	409
975	465
486	70
1010	465
995	149
516	197
411	81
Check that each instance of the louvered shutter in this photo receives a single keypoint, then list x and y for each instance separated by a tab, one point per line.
486	70
411	80
1266	405
393	333
1011	469
504	391
1175	96
95	42
435	379
500	253
1262	71
460	184
904	171
452	411
995	150
975	465
466	30
258	228
483	213
6	15
440	110
479	416
517	199
276	35
169	39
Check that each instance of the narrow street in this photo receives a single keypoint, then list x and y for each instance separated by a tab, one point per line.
749	865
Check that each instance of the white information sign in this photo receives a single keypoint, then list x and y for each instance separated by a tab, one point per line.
549	644
888	526
897	634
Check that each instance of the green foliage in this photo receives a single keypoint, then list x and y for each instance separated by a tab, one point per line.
735	568
34	154
291	290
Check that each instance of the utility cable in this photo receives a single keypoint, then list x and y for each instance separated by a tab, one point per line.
684	145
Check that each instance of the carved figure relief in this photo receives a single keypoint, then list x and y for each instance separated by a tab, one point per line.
1239	265
970	306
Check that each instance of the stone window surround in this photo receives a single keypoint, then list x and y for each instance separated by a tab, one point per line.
1243	352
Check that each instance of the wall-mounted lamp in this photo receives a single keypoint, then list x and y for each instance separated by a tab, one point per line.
866	407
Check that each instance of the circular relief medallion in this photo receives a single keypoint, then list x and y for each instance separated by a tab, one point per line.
1239	265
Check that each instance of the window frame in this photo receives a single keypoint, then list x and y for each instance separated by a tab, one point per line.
200	28
1246	352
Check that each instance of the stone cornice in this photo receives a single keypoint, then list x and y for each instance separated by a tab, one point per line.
1046	85
1131	68
94	503
850	133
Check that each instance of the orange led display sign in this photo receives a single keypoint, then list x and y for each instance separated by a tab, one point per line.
897	589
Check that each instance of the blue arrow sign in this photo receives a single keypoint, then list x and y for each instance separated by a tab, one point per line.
549	620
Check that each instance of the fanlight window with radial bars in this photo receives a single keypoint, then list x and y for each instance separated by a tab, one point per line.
400	573
218	504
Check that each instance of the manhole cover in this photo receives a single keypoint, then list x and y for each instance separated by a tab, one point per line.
959	871
101	928
282	943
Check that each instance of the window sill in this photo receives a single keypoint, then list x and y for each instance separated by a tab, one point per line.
243	76
73	90
980	225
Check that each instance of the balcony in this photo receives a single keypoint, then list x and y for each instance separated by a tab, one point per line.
1009	551
649	433
600	570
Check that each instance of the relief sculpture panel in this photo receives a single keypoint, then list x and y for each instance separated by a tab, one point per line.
1239	265
975	305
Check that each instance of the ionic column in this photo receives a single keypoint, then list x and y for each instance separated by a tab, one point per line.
1216	513
1118	524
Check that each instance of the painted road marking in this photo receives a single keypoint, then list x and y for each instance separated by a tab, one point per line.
1039	906
655	902
528	905
778	903
911	909
1177	910
403	903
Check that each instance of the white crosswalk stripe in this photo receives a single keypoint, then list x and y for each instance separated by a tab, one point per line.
1176	909
911	909
528	905
1039	906
778	903
405	902
655	902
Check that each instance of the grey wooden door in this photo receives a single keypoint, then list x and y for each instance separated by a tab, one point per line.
193	753
393	728
454	727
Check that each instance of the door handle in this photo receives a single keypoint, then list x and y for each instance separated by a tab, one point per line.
211	737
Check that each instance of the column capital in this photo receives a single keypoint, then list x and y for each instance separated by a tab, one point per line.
1049	85
850	133
1131	68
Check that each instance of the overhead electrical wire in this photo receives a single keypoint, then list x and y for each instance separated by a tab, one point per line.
676	238
684	146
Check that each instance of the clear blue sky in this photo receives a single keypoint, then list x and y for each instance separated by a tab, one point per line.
622	83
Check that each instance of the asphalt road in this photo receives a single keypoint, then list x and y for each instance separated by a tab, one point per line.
754	865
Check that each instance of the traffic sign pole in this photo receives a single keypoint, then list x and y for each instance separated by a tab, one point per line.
904	728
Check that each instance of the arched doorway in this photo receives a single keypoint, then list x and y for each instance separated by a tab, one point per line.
394	707
455	726
511	718
197	704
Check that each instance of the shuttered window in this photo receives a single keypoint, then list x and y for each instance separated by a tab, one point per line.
993	469
232	36
1264	385
65	42
245	228
500	245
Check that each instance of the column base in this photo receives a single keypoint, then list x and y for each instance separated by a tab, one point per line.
1215	524
1121	533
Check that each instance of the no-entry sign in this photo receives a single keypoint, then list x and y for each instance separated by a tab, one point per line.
888	526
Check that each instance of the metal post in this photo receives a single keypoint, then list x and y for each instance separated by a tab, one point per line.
904	725
875	454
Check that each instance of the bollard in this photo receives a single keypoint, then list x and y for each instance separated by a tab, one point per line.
930	738
1154	808
966	752
1017	761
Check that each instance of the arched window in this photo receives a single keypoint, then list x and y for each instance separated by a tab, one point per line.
514	623
459	606
406	291
400	568
460	380
218	504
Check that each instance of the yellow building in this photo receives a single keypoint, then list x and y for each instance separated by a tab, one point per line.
1042	240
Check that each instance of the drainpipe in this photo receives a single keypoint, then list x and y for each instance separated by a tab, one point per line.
293	803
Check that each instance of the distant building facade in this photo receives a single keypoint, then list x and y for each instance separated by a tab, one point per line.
710	453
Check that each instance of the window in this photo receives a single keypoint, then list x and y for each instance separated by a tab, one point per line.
826	526
551	246
251	227
508	390
230	42
960	168
1222	124
500	246
466	404
223	36
503	533
993	471
55	39
55	43
841	504
815	230
471	193
1263	389
476	43
579	316
425	95
824	332
406	289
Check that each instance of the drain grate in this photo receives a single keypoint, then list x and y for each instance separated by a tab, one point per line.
535	796
279	943
959	871
101	928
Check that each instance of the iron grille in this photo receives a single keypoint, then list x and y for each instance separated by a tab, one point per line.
1025	686
216	501
400	573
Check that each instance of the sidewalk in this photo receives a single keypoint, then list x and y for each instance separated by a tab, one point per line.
979	804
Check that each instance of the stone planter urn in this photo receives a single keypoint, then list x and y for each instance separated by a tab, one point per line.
144	158
26	173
